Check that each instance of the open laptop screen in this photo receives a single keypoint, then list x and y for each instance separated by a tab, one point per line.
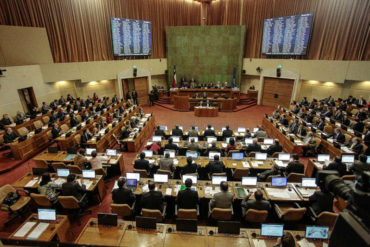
272	230
47	214
317	232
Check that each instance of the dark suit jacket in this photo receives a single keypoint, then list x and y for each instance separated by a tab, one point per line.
8	138
337	166
358	167
367	139
254	147
209	132
341	138
125	134
321	125
227	133
284	121
123	196
295	166
152	200
85	138
159	133
55	133
192	168
359	127
357	148
321	201
142	164
187	199
73	189
257	205
274	148
215	167
171	147
177	132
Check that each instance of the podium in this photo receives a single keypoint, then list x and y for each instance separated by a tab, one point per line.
205	111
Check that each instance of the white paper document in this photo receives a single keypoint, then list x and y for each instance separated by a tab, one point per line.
38	230
32	182
259	243
24	229
168	191
304	243
245	164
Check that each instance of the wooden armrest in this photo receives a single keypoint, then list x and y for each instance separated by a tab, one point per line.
278	211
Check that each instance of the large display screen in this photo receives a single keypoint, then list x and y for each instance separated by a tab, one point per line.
131	37
289	35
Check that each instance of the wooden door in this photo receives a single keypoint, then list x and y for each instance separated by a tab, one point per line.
124	87
277	91
141	87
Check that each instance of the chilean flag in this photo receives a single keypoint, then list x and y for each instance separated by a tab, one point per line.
174	76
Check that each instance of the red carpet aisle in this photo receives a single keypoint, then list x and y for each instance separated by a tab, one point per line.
249	118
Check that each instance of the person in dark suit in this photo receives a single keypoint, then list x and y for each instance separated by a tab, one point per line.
339	116
254	147
209	131
321	124
72	188
293	128
360	166
56	131
61	115
177	131
187	198
346	121
152	199
170	145
328	113
213	148
73	121
301	131
215	166
358	126
190	167
337	165
361	115
338	136
115	99
5	121
276	147
367	136
294	166
10	136
142	163
126	132
227	132
223	199
309	117
321	200
86	135
284	121
134	97
258	203
122	195
356	145
159	132
61	100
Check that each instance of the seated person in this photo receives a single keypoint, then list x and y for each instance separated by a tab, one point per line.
122	195
159	132
358	126
126	132
193	132
231	145
97	161
360	166
355	145
252	87
187	198
6	121
190	166
321	200
215	166
85	137
142	164
20	117
73	121
258	203
48	188
294	166
247	133
213	148
293	127
321	124
155	147
227	132
80	159
177	131
274	148
276	115
284	121
223	199
301	131
337	165
10	136
286	241
338	136
170	145
260	133
310	142
209	131
56	131
152	199
253	147
33	113
166	163
72	188
193	146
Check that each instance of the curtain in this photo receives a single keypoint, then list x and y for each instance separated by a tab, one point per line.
79	30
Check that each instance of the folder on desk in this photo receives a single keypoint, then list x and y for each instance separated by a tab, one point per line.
69	157
241	192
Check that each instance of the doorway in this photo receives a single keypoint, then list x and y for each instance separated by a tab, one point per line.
127	86
277	91
141	87
28	98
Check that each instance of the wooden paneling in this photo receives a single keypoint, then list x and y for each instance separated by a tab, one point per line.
141	87
275	86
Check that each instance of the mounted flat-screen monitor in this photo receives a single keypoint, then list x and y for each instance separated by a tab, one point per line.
131	37
289	35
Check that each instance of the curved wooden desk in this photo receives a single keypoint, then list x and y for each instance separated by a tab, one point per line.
205	112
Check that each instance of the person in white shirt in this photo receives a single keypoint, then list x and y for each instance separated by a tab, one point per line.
97	161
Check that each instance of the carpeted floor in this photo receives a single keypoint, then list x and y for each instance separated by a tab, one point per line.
249	118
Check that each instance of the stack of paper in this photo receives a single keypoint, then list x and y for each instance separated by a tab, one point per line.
168	192
259	243
145	188
279	163
38	230
245	164
224	145
59	181
24	229
32	182
175	161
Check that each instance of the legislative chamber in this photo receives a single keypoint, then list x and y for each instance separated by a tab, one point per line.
205	123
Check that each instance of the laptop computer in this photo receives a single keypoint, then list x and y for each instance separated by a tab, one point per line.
317	232
323	157
171	152
268	141
160	178
146	222
260	156
175	139
90	150
272	230
211	139
63	173
148	153
46	214
348	158
237	156
111	152
309	182
216	180
163	128
193	138
211	155
284	157
241	130
131	184
279	181
88	173
105	219
249	181
248	140
229	227
133	175
157	138
192	154
193	178
187	225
